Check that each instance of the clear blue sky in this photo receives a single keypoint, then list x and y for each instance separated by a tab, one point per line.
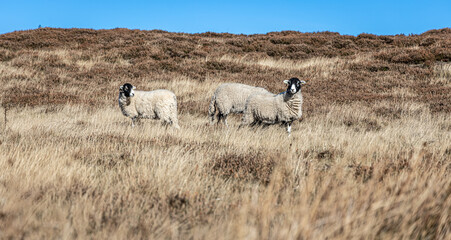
345	17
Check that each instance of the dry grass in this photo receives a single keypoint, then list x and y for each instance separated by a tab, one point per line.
370	160
443	73
77	173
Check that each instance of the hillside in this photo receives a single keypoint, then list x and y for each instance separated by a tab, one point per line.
87	66
370	158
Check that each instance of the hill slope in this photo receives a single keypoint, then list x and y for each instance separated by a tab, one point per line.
371	158
87	66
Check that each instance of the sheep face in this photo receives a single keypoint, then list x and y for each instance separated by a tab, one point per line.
127	90
294	85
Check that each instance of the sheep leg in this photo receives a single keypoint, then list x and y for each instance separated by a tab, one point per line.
174	123
212	109
219	116
133	121
171	121
212	118
224	119
288	128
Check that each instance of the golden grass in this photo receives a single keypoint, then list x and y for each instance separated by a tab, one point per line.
320	64
443	74
69	172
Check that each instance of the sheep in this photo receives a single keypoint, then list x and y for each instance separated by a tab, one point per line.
156	104
282	108
231	98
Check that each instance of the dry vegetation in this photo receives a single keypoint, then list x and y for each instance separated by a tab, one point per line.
371	158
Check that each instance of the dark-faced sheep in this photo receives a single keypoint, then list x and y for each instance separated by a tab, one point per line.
156	104
283	108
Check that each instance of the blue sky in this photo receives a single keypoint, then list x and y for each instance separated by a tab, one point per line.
248	17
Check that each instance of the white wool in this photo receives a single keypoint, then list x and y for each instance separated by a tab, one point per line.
157	104
231	98
268	109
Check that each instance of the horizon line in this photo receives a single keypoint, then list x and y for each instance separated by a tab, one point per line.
247	34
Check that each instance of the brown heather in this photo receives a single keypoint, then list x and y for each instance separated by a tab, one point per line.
371	158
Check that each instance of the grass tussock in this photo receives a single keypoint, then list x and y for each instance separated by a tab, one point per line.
250	166
370	159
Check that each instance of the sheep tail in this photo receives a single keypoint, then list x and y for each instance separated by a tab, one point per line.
212	109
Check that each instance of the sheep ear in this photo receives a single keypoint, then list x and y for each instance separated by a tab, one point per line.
286	81
121	88
303	82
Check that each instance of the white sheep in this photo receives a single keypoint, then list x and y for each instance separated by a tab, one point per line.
156	104
231	98
282	108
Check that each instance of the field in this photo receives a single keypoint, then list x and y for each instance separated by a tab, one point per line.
370	159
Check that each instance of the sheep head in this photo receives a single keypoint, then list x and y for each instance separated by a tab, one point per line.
127	90
294	85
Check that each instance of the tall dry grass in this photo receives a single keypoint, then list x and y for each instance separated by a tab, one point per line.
371	158
70	172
